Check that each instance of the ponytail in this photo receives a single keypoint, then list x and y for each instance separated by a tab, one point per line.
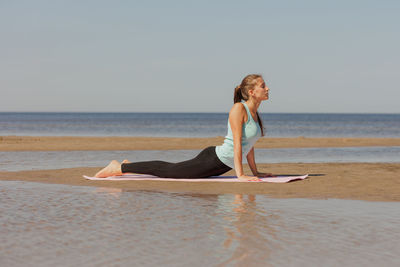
237	95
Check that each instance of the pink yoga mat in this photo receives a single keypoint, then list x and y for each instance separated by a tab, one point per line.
145	177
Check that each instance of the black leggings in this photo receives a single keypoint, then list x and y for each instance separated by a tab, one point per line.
205	164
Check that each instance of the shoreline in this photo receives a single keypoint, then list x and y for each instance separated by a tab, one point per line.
79	143
356	181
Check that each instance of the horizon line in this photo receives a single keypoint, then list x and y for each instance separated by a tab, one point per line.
196	112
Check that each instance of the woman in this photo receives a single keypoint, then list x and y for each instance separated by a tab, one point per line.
244	129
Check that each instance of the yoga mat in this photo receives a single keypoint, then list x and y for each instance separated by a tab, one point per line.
145	177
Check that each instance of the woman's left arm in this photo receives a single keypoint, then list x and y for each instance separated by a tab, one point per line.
251	161
252	164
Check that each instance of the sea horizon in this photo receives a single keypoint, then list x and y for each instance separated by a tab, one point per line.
184	124
192	112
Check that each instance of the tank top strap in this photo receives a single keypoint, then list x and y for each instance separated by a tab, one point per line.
248	111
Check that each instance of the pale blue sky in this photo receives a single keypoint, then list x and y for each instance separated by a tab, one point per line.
187	56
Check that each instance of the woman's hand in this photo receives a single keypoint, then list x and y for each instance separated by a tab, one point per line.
249	178
263	174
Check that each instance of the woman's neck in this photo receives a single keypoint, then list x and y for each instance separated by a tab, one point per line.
253	105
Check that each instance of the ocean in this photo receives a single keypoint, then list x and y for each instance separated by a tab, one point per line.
195	124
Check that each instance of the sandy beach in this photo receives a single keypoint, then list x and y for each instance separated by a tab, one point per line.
362	181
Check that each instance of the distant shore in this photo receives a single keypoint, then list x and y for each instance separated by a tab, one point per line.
71	143
361	181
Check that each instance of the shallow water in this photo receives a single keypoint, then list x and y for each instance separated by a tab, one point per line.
53	225
38	160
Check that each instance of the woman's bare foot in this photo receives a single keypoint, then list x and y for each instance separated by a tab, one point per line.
126	161
112	169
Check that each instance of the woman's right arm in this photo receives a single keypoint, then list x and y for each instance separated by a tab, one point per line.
237	117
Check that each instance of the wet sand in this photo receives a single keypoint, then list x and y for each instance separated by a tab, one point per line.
362	181
68	143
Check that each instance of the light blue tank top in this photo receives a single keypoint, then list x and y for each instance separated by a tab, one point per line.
251	132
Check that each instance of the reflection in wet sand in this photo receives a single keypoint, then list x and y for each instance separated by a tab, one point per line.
115	192
45	225
250	232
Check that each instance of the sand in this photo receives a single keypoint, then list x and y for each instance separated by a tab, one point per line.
361	181
68	143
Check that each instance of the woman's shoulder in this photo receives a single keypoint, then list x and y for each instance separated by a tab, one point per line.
238	106
238	111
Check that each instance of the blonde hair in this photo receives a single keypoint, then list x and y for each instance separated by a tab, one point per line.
242	93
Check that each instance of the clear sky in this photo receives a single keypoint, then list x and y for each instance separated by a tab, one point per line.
187	56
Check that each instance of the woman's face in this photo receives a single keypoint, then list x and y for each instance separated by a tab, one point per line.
260	90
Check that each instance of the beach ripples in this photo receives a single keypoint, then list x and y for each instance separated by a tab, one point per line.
53	225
